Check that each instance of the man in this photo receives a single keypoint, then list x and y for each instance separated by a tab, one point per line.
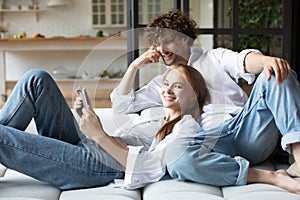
230	116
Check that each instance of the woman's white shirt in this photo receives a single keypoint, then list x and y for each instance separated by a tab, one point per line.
150	166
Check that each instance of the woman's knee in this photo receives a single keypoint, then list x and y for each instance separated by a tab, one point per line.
37	77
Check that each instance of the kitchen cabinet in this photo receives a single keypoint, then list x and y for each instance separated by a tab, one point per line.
108	13
79	55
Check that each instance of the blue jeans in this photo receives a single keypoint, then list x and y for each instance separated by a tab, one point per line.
221	156
56	155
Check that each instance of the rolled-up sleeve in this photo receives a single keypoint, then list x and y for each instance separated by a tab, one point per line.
234	62
135	101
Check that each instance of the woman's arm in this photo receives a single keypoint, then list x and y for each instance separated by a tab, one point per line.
255	63
91	126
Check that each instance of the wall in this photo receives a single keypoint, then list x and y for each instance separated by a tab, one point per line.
52	22
60	21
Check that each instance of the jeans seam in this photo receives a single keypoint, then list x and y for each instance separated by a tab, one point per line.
16	108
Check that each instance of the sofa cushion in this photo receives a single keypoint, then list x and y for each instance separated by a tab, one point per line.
257	192
17	185
173	189
103	193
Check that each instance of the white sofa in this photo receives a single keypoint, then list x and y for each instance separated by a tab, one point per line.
14	185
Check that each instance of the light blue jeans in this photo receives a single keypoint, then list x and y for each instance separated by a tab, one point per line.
56	155
221	156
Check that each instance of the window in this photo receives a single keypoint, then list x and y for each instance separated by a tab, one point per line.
240	24
108	13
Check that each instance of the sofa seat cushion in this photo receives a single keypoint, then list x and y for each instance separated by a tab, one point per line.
173	189
17	185
103	193
257	192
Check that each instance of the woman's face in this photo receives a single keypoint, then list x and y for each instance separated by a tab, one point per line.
176	92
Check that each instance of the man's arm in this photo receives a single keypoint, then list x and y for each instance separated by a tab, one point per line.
255	63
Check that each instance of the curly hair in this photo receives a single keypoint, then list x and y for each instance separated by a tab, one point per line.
172	22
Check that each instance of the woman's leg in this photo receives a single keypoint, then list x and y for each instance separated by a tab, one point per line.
193	159
37	96
62	164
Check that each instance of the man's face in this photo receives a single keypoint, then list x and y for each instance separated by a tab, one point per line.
174	50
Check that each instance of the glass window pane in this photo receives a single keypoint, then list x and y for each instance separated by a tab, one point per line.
224	16
113	8
223	41
202	12
113	19
95	9
205	41
95	19
260	14
121	8
147	9
102	19
102	9
268	44
121	19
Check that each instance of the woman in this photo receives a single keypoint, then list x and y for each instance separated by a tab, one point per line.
63	156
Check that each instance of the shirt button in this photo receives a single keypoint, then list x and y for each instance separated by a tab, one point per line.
136	180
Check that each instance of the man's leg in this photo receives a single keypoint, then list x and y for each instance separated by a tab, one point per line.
271	108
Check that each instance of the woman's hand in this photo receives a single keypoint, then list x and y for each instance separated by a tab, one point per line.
78	103
90	125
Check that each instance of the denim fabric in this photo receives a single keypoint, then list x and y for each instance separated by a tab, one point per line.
221	156
56	155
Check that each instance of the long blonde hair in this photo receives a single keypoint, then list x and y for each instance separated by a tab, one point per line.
197	82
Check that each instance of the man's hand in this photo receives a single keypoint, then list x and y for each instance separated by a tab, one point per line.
279	66
149	57
255	63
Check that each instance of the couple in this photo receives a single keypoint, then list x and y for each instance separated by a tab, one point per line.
71	156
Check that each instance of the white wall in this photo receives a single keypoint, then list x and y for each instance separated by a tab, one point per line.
60	21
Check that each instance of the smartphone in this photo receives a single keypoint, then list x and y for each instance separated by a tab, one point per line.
83	96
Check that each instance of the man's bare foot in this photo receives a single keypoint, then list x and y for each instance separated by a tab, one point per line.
283	180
